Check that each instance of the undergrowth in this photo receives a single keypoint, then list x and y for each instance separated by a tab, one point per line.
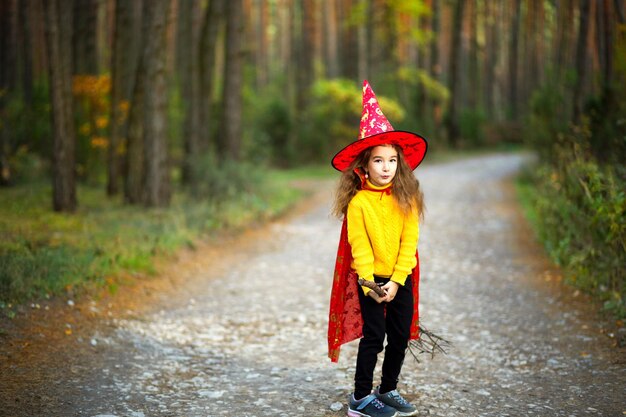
43	253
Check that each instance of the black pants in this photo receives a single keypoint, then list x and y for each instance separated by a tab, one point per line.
396	323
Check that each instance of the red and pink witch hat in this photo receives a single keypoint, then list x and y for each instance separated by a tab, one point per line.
376	130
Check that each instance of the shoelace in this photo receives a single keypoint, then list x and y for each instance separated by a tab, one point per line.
378	404
396	396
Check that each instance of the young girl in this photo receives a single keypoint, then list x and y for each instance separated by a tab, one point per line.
380	201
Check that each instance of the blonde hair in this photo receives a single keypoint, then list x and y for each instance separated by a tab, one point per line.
406	188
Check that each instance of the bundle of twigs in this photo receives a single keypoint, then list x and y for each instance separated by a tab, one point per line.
428	342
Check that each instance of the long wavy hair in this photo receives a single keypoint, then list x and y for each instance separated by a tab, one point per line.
406	188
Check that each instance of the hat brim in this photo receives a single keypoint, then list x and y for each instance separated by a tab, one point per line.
413	146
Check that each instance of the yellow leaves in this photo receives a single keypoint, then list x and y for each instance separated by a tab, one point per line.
123	107
99	142
93	92
102	122
85	129
91	85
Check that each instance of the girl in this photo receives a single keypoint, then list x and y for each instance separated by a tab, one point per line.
380	201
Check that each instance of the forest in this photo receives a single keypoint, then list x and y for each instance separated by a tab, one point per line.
144	101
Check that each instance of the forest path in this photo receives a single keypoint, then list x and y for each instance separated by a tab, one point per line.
247	335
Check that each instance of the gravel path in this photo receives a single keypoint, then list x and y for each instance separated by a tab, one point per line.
251	340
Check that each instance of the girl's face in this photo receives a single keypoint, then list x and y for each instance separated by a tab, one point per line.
382	165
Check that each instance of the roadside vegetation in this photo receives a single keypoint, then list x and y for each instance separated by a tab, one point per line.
575	195
106	243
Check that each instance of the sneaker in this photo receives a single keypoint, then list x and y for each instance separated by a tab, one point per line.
369	406
395	400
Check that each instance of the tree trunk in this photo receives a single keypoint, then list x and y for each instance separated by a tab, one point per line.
26	58
605	38
262	41
349	43
435	64
306	53
491	48
364	43
330	32
563	39
231	127
451	121
85	36
59	43
156	178
532	73
121	72
513	61
213	19
474	75
134	162
8	80
190	78
581	58
619	10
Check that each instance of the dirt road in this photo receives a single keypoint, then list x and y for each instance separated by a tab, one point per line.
245	334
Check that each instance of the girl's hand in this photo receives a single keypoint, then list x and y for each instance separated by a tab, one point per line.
376	297
391	288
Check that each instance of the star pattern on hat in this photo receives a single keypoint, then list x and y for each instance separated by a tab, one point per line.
375	130
373	121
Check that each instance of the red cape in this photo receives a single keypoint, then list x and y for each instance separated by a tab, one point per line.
345	322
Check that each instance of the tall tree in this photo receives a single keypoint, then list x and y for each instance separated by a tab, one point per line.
213	21
134	161
25	59
474	76
8	81
581	58
231	128
122	70
491	49
262	43
563	39
85	37
365	35
59	43
435	64
306	51
331	36
604	30
513	59
190	77
156	178
452	123
349	55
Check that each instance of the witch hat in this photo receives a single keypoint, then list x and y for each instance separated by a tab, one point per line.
376	130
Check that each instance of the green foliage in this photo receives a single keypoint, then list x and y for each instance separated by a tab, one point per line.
608	126
472	125
223	179
27	133
43	252
332	119
276	123
577	192
547	120
433	89
578	208
91	115
271	127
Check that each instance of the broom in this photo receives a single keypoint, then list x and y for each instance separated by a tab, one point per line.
428	342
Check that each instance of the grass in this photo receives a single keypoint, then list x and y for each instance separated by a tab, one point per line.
43	253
